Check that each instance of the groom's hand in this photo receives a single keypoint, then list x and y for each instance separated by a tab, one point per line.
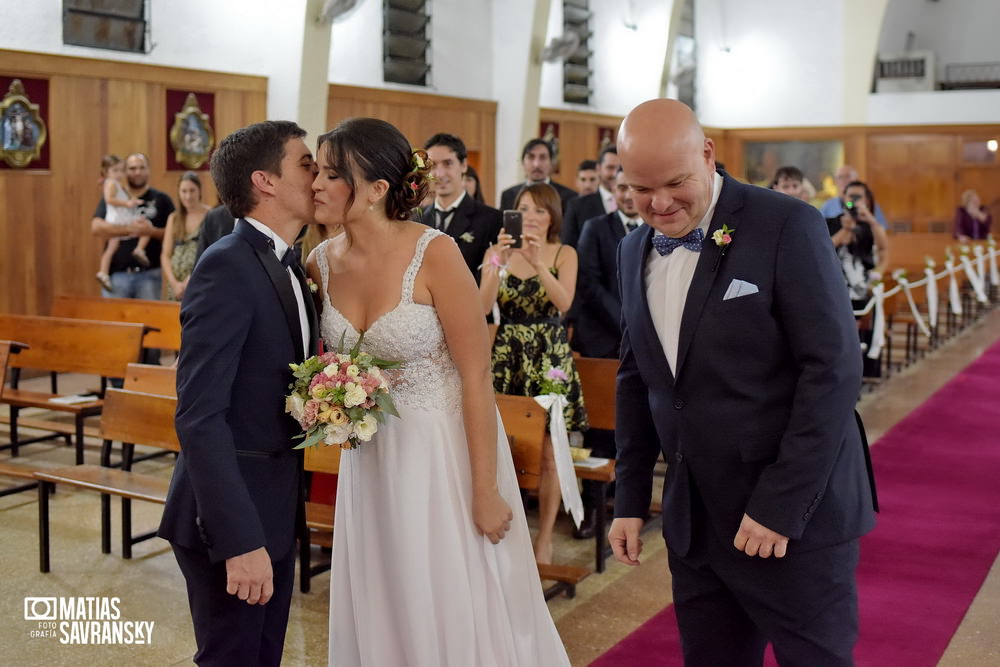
249	576
624	539
755	539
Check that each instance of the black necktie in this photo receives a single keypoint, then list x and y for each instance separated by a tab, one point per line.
291	258
443	218
631	226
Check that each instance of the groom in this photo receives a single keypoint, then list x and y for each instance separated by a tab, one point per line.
235	497
740	365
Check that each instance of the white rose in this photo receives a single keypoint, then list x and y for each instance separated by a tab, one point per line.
353	371
331	370
366	428
355	395
295	406
337	433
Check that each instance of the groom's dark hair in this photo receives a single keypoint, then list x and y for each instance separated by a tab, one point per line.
257	147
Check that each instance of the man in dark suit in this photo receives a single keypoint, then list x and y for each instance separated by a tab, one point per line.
739	364
595	204
217	223
473	225
235	499
536	158
597	311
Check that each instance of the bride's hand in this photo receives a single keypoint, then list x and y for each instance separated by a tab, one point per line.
492	516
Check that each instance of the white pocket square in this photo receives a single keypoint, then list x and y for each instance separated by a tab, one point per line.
739	288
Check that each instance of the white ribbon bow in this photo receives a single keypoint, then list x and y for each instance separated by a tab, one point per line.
904	284
556	404
932	296
994	273
977	284
953	297
878	324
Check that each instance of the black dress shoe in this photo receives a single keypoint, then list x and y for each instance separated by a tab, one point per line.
587	527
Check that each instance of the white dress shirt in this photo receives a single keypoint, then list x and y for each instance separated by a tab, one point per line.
668	278
279	250
626	220
447	214
608	198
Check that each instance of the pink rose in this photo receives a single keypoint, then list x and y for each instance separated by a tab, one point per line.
726	238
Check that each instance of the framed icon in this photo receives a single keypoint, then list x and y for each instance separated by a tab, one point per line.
22	128
191	136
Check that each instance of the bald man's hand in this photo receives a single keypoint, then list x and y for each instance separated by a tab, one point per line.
624	539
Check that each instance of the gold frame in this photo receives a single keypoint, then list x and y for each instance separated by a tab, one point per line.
19	157
185	155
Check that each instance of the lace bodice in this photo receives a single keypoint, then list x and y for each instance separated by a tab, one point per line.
410	333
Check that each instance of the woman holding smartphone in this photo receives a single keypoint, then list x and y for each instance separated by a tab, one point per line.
533	283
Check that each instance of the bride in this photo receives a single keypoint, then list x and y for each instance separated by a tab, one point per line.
432	560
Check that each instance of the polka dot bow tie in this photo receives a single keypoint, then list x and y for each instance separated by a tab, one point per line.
666	245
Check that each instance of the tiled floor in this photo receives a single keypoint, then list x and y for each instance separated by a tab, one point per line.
150	587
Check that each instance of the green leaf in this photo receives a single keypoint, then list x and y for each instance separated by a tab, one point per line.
384	401
314	437
357	346
340	345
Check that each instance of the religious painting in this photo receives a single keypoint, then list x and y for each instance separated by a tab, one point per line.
22	128
549	131
818	161
605	137
191	136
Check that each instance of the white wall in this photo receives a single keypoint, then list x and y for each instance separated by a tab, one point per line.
962	31
929	108
627	64
784	66
461	49
256	39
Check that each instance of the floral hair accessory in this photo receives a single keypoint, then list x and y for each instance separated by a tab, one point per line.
416	160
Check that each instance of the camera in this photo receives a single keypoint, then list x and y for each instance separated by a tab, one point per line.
851	206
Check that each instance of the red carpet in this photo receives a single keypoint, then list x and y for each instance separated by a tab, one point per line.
938	476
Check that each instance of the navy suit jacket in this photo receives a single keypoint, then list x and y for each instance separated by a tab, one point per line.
598	308
237	483
480	222
509	196
759	416
579	211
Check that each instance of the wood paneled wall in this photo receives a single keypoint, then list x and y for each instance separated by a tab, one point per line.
579	139
917	173
420	116
95	107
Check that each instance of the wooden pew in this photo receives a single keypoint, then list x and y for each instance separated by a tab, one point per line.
161	318
526	425
8	348
319	516
151	379
63	345
129	417
597	381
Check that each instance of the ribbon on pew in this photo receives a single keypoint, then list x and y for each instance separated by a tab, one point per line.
953	298
878	321
994	274
899	275
932	293
970	273
555	404
980	264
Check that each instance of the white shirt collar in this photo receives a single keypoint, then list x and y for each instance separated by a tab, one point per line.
626	220
605	193
455	204
279	245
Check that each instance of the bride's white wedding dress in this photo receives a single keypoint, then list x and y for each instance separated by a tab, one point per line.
413	582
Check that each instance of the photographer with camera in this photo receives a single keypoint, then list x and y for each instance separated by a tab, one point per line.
861	243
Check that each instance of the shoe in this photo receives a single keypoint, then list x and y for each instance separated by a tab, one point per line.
588	527
104	280
140	256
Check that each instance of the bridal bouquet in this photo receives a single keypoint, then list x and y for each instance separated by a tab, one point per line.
340	398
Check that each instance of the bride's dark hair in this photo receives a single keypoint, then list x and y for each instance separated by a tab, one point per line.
376	150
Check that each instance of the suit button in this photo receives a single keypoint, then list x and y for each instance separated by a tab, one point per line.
678	404
679	457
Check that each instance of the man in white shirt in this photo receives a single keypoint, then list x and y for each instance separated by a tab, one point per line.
739	365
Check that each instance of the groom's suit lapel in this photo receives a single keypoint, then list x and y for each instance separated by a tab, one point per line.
708	268
642	332
279	279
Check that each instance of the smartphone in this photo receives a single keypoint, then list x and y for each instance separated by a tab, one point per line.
513	224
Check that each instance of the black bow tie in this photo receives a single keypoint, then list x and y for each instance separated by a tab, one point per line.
291	258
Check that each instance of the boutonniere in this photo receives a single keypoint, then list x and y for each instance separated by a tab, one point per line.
313	287
722	237
467	237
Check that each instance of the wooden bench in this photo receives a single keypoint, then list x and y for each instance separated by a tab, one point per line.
132	418
526	425
162	319
8	348
319	516
151	379
64	345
